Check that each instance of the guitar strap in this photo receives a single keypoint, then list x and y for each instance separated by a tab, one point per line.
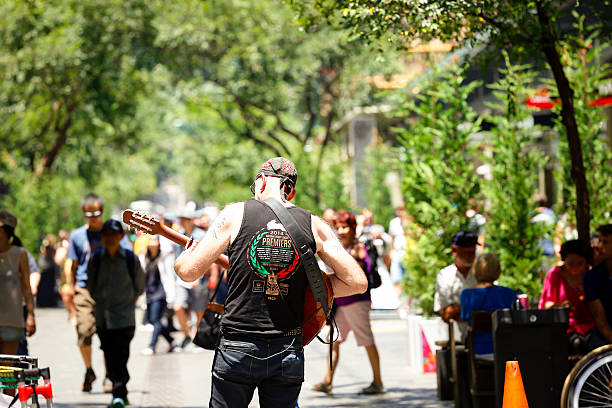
311	267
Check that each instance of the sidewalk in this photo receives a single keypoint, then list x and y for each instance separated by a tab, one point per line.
183	379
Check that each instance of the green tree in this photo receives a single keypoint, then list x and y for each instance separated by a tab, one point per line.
523	28
515	164
116	97
268	81
70	82
381	160
439	176
581	57
70	75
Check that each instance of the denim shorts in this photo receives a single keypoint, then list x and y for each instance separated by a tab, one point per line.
8	333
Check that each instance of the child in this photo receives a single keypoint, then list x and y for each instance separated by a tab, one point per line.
115	282
486	295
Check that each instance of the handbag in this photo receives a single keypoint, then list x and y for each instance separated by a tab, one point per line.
210	325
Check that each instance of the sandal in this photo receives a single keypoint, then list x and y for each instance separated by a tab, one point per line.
372	389
322	388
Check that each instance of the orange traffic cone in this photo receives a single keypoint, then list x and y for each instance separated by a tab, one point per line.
514	392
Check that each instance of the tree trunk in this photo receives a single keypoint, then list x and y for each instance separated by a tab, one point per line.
568	118
47	159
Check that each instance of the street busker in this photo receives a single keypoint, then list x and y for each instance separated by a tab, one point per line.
260	345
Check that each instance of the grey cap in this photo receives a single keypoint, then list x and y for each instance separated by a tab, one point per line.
8	218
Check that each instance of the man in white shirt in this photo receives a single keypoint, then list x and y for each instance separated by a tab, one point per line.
456	277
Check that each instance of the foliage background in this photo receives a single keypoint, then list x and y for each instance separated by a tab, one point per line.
515	164
439	177
119	97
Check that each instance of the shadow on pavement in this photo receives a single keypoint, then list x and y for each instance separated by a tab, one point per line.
394	397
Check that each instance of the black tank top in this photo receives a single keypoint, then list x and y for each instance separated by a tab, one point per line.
266	279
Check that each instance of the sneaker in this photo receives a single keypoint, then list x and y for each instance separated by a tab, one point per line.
107	385
186	342
373	389
117	403
90	377
173	347
147	352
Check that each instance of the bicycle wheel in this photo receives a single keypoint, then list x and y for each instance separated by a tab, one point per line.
589	384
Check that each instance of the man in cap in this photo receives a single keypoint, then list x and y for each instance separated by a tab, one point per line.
115	280
260	345
456	276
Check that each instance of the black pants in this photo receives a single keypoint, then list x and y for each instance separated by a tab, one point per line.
116	347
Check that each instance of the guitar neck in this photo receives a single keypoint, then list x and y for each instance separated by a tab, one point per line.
185	241
174	236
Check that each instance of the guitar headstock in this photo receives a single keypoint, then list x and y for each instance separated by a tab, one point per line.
142	222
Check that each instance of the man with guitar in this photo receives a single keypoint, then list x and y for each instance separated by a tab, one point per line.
261	337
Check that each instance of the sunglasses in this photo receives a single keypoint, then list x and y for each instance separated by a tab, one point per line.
92	214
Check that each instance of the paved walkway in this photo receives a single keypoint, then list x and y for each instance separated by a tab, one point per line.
183	379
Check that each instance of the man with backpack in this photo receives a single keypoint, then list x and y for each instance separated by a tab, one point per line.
115	282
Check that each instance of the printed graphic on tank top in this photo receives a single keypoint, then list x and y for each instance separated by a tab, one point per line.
266	280
273	258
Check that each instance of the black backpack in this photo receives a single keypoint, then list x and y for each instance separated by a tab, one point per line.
374	280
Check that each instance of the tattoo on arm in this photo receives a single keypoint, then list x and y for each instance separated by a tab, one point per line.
218	226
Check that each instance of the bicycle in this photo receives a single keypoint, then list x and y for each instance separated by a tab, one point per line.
24	375
589	383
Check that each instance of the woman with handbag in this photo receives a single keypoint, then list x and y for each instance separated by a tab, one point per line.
353	312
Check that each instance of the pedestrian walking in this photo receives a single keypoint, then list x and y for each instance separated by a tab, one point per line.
267	287
47	289
152	263
14	287
115	280
84	241
62	261
189	297
353	312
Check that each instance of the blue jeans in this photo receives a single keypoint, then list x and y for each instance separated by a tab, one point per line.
235	375
156	310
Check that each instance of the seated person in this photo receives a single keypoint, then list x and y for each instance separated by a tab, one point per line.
598	291
563	288
485	296
452	279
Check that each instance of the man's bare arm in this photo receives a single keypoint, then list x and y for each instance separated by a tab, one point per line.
193	262
599	315
349	278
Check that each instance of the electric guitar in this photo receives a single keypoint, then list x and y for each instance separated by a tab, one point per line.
314	316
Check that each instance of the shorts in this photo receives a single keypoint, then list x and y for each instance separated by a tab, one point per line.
195	299
85	317
355	317
9	333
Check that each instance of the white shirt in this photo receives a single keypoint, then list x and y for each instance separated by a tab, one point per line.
449	284
396	230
